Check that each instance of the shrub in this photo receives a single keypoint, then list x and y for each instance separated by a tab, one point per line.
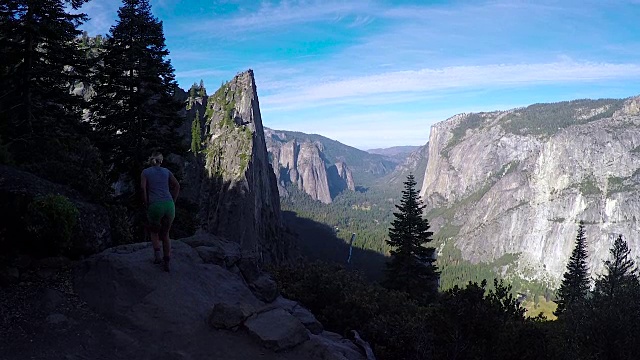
50	222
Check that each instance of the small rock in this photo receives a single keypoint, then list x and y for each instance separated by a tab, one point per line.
57	319
265	288
277	329
229	316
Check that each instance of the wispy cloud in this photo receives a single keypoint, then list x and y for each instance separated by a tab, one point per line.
427	80
284	14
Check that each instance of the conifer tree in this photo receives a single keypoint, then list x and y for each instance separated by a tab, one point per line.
39	63
40	119
411	267
609	328
575	283
196	137
134	110
201	90
621	274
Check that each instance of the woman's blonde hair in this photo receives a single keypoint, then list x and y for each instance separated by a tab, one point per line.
156	158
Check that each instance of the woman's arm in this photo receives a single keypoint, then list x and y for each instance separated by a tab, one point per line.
174	187
143	190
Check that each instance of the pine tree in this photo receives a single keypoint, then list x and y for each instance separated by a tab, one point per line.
610	327
196	137
201	90
39	62
40	119
411	267
621	273
575	283
134	110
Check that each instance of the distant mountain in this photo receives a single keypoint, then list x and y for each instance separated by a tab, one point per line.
394	151
414	163
365	168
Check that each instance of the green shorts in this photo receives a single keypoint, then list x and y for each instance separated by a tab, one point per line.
159	210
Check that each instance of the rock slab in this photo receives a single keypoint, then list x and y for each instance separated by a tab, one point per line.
277	329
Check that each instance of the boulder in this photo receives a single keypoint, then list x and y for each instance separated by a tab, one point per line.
250	269
284	303
277	329
307	319
229	316
265	288
221	253
331	346
92	232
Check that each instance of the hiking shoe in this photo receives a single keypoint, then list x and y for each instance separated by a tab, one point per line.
165	266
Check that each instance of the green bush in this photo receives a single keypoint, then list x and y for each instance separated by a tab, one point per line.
50	222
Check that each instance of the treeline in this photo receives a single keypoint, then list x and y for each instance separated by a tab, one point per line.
87	112
369	215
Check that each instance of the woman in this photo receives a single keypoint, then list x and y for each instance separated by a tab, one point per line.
159	190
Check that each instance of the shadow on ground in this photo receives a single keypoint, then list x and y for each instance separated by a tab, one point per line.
318	241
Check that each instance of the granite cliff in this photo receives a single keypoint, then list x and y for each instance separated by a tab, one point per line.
231	181
518	181
304	164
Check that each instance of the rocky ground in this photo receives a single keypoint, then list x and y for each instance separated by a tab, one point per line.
119	305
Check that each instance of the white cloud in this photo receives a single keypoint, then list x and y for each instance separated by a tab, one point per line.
457	77
285	14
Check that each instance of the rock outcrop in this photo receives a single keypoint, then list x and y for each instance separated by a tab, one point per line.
344	176
305	165
518	182
232	182
201	309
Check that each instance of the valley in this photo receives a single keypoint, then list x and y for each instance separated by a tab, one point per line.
486	177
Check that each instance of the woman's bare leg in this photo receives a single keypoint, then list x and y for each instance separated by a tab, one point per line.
155	242
166	242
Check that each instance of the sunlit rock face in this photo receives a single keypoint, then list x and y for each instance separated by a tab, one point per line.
519	181
305	165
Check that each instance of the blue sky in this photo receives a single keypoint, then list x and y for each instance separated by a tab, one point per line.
380	73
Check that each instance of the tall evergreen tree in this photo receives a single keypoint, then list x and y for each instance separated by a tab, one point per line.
609	329
575	282
411	267
134	110
39	62
202	91
40	118
621	273
196	134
